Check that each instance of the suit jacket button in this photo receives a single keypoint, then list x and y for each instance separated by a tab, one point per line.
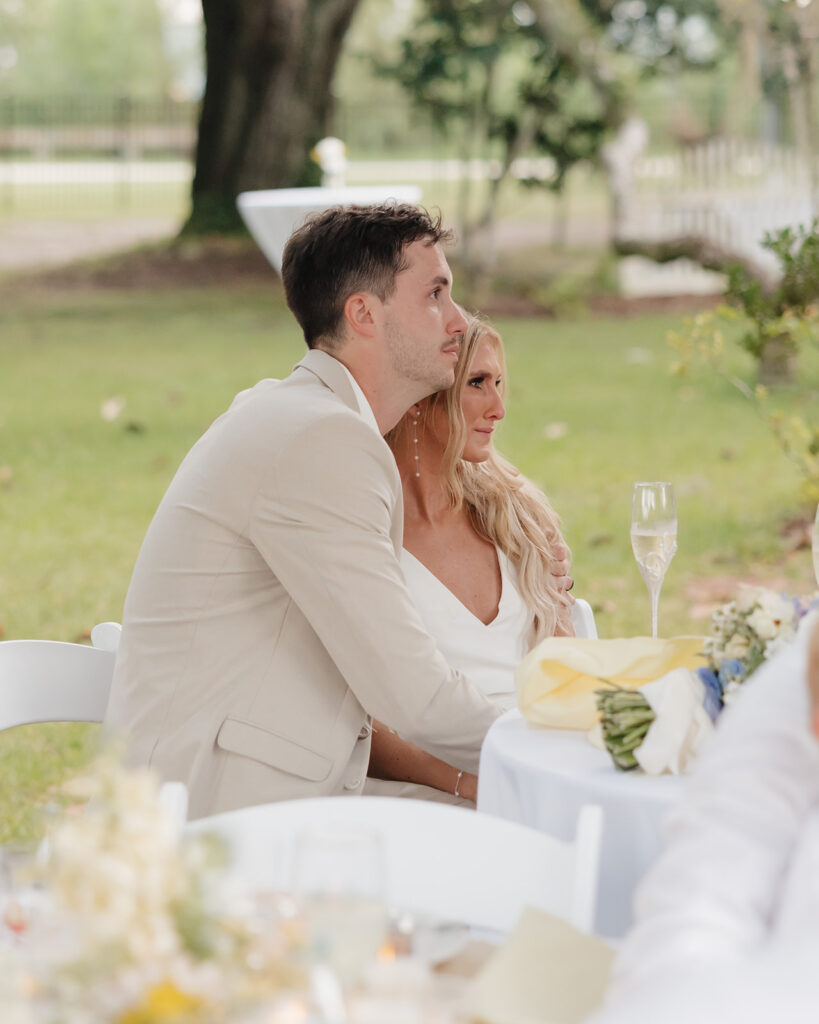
366	730
352	785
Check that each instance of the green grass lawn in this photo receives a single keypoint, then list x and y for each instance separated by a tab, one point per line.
77	492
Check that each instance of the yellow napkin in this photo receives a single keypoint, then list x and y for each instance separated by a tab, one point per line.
547	972
556	681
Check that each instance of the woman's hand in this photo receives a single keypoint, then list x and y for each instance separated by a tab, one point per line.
392	757
468	787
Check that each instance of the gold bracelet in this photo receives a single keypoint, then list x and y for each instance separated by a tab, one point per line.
457	783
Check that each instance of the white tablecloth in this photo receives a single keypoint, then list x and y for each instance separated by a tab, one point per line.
272	214
541	777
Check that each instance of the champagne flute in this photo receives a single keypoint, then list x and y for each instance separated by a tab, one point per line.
338	881
653	536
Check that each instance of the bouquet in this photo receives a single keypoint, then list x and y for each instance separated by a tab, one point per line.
745	633
662	725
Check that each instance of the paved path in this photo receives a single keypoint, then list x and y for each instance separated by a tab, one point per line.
29	245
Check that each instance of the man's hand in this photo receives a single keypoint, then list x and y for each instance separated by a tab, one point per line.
813	678
560	572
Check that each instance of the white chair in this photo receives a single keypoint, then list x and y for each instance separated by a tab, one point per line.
583	619
52	681
442	861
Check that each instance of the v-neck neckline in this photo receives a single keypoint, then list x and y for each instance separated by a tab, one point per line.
486	625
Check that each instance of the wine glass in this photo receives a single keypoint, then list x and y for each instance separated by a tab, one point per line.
653	536
21	891
338	879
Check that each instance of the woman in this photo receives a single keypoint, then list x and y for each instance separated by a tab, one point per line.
483	553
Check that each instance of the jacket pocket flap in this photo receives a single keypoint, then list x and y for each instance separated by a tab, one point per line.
261	744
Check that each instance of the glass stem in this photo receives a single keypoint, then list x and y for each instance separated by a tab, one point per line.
654	596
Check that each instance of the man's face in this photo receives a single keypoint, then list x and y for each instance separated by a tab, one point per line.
422	325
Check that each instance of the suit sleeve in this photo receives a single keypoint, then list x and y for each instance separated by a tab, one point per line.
322	522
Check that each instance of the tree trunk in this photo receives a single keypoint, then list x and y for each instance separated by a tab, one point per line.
270	66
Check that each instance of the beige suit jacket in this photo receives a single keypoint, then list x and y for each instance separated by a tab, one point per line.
267	618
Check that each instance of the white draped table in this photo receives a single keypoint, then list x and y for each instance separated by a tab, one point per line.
272	215
542	777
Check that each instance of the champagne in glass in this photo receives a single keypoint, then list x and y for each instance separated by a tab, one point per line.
653	537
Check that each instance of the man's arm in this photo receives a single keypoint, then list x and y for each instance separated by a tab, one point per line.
713	893
322	522
813	678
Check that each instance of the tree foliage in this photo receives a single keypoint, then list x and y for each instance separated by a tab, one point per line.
665	36
506	83
491	67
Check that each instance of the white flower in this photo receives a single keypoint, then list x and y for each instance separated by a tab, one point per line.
762	624
118	867
779	608
737	647
746	599
782	640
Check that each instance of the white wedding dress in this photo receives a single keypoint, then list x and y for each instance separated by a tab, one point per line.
486	654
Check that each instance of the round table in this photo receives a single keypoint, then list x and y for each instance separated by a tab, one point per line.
542	777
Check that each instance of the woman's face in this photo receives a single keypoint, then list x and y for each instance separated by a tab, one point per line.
481	403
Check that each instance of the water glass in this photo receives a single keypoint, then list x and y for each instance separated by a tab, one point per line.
338	880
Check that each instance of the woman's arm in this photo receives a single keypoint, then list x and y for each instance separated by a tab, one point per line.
396	759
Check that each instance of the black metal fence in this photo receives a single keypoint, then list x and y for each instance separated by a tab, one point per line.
108	152
123	153
109	128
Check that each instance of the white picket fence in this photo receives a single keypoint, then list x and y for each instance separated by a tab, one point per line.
728	191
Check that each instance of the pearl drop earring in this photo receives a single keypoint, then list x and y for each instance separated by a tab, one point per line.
415	442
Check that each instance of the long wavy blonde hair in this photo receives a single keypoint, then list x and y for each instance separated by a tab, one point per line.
505	507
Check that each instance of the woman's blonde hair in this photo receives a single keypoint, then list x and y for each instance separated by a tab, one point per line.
505	508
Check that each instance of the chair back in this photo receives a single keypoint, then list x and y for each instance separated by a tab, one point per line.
583	619
443	861
52	681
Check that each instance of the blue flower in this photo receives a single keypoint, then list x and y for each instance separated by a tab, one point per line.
712	697
731	669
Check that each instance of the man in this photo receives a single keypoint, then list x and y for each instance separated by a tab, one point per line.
267	618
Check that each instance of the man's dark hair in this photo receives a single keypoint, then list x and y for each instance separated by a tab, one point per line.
348	249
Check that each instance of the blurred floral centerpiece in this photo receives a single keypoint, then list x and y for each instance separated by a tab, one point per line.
661	726
745	633
139	930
